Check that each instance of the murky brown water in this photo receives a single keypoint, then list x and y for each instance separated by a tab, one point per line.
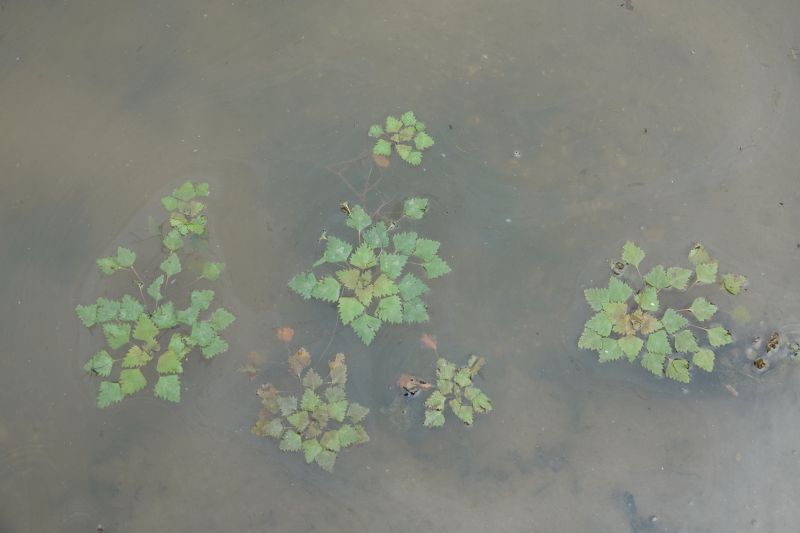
666	124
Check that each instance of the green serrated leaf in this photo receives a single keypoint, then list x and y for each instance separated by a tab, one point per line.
405	243
632	254
348	436
338	410
109	394
719	336
99	364
685	342
658	342
706	272
310	400
426	249
415	311
679	277
357	412
678	369
220	319
609	351
108	265
445	370
125	257
419	126
349	277
349	308
173	240
618	291
673	321
303	284
312	379
698	255
383	286
169	362
326	289
170	203
463	377
654	362
202	189
363	257
131	380
702	309
375	131
390	310
366	327
415	208
187	316
336	250
392	264
600	323
185	192
273	428
657	277
433	418
287	404
411	287
358	219
403	150
436	267
299	420
311	449
382	147
590	340
214	348
117	335
648	299
87	314
393	125
107	309
202	333
704	359
135	358
631	346
596	298
414	158
733	283
154	289
145	330
164	316
436	401
377	236
326	460
464	413
171	265
130	308
291	442
408	118
423	141
168	388
211	271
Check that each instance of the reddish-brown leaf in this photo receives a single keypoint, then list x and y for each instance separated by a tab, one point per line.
381	160
285	334
298	361
429	341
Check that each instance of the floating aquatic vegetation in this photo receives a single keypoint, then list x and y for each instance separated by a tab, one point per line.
369	284
455	388
406	135
629	323
318	420
136	326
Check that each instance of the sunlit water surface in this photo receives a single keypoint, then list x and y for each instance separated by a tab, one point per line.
666	123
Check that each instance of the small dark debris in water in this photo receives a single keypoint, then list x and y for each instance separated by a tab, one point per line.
773	342
627	4
645	130
450	126
638	523
618	268
100	528
760	363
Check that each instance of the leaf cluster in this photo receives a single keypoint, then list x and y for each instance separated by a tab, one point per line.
632	323
368	281
154	333
406	136
455	388
318	420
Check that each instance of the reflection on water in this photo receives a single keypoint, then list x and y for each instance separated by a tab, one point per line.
563	129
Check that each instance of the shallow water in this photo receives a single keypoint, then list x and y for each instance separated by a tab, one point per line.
665	124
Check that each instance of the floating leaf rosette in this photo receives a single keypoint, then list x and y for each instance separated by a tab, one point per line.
633	323
151	332
318	420
369	280
455	390
405	135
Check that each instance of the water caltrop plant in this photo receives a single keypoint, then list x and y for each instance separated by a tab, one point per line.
630	321
148	331
455	388
406	135
318	420
368	280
